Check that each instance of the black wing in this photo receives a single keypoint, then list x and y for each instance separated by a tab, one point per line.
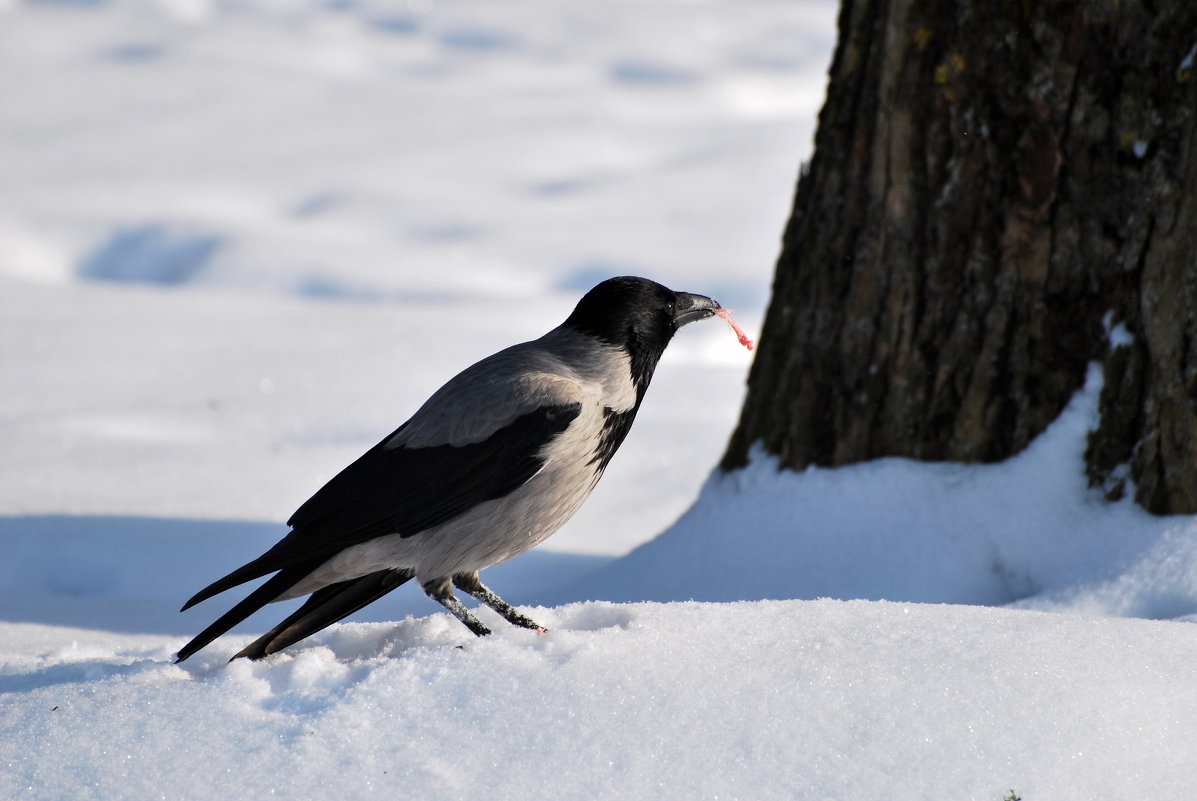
404	490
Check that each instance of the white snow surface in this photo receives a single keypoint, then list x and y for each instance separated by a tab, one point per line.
241	241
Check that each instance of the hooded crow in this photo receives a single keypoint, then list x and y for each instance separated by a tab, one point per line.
490	466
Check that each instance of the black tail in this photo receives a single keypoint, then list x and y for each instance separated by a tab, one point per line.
247	572
323	608
270	590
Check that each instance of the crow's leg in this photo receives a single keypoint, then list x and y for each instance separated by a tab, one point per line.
469	583
441	591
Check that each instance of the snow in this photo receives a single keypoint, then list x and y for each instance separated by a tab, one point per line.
1116	333
767	700
1186	63
241	241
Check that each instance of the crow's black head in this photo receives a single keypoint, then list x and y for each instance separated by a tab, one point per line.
636	313
639	316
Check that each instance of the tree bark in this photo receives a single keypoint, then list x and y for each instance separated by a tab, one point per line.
996	188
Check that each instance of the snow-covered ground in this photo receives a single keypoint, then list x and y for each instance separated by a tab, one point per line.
241	241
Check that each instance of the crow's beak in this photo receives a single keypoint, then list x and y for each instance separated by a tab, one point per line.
688	308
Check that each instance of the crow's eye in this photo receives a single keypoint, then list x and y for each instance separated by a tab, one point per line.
669	308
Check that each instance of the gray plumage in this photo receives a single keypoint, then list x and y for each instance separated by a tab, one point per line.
559	369
488	467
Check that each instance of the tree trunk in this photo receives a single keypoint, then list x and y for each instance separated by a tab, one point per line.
1001	193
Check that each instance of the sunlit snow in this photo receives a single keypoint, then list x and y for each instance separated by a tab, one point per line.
241	241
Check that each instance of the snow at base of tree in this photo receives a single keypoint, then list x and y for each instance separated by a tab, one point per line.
1027	532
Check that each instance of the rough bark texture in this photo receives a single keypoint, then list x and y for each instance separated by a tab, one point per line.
996	186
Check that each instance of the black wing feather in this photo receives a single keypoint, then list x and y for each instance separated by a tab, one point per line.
269	591
325	607
406	490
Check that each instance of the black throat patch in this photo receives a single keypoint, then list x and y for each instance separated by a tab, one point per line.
616	426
